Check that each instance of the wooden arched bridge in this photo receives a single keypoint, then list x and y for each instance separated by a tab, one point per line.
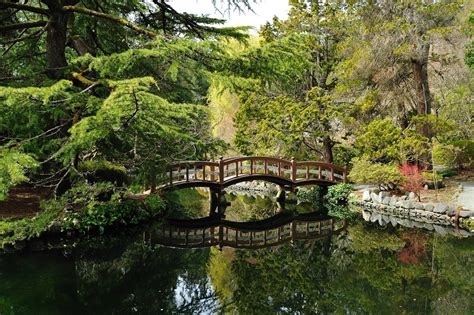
226	172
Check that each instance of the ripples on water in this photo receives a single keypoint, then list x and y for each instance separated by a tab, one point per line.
318	267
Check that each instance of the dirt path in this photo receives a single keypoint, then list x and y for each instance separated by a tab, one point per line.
466	197
23	202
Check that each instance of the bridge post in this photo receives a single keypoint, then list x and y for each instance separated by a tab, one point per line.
221	170
213	169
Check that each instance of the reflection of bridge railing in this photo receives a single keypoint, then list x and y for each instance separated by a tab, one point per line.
229	171
245	235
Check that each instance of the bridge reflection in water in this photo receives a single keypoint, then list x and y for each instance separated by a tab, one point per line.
214	231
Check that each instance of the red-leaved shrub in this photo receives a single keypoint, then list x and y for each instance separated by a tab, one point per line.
413	179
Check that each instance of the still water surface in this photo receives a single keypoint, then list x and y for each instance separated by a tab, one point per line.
362	269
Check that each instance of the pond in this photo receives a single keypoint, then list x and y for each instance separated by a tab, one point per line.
361	268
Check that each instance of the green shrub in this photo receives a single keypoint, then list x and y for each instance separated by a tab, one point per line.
25	229
386	176
337	201
343	154
113	213
13	168
457	154
104	171
449	172
100	205
155	204
384	142
312	196
432	176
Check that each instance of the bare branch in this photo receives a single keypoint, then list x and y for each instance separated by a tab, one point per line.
22	38
48	133
23	7
20	26
135	102
312	147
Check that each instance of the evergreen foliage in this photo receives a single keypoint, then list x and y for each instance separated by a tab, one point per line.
386	176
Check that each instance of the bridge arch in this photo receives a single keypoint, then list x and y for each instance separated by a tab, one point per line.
227	172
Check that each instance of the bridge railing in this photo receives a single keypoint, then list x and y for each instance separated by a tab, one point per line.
257	165
226	169
224	235
191	171
318	170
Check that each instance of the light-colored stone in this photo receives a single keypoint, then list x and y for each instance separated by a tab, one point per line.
381	222
393	221
393	201
366	195
466	213
407	204
428	226
386	200
418	224
440	229
375	197
428	207
418	205
366	215
412	195
384	194
404	197
440	208
375	217
464	233
451	211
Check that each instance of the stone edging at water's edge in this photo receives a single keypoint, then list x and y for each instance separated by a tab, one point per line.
407	207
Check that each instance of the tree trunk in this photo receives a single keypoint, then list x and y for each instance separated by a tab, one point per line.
327	150
56	43
420	75
80	46
423	98
403	118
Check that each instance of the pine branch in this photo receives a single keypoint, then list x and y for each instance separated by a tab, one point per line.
23	7
112	18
